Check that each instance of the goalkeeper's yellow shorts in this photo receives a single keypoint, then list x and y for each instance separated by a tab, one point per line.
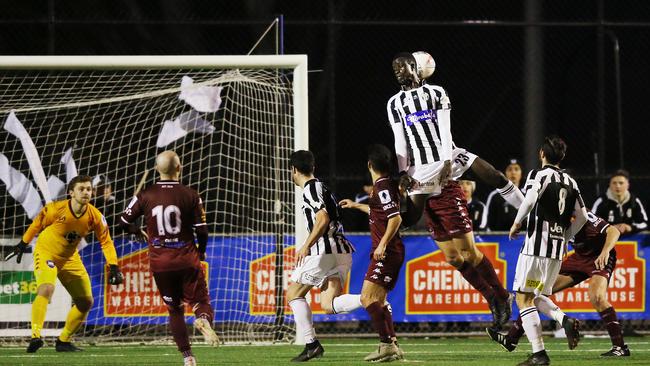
70	271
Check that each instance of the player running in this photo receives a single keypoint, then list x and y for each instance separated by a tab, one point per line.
552	198
323	260
60	226
173	214
387	253
595	258
420	119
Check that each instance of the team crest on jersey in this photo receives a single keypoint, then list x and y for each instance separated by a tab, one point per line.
72	236
50	263
384	196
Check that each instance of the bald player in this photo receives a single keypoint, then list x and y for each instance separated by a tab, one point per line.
60	226
174	216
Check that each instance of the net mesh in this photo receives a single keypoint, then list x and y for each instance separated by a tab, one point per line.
235	157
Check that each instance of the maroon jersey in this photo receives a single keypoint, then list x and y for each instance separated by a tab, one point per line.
171	211
590	240
384	204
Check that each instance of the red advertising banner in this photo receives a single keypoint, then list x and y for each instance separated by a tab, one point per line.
263	284
138	294
627	286
435	287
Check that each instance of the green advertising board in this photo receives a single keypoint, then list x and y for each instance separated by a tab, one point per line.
17	287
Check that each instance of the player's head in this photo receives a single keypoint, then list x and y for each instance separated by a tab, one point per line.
80	189
168	165
302	164
619	182
379	159
513	171
468	187
553	150
405	69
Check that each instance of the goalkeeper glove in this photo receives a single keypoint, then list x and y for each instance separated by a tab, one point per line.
115	277
18	251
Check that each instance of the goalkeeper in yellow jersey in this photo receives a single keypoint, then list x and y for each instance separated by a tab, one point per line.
62	225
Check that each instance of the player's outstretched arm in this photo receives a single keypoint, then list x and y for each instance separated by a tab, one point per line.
320	227
41	221
391	229
348	203
18	251
524	210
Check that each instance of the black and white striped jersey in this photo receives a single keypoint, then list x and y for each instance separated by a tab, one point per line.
558	197
420	119
316	196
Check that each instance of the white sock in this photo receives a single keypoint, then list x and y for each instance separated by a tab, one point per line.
533	328
344	304
511	194
547	307
303	318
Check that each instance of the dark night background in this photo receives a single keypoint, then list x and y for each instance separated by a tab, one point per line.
479	48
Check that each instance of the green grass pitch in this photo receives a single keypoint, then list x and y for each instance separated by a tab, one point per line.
342	351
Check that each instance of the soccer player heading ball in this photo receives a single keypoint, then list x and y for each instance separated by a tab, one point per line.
430	163
62	225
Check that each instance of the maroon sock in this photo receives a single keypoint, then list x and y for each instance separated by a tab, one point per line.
204	310
388	315
179	329
516	331
486	270
376	311
472	276
613	326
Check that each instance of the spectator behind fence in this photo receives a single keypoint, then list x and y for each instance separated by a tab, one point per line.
499	214
475	207
620	207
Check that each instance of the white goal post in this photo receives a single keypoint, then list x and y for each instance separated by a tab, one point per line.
111	108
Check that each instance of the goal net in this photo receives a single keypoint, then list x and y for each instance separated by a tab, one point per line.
233	120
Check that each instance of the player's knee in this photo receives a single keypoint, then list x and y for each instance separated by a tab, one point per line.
84	304
45	290
175	309
598	300
327	307
367	299
455	259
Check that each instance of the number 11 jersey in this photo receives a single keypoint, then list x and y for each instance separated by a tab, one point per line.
171	210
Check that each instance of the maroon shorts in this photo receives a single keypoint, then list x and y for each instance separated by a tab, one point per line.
447	214
183	285
580	267
386	271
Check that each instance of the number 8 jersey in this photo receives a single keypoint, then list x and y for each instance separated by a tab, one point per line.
558	198
171	211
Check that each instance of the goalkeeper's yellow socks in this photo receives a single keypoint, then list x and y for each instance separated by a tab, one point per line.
39	308
72	323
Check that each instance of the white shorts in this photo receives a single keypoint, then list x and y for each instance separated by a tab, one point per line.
427	174
536	274
315	269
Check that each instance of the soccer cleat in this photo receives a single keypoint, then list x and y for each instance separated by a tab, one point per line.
61	346
203	325
572	329
386	352
501	339
501	311
189	361
536	359
617	351
307	353
34	345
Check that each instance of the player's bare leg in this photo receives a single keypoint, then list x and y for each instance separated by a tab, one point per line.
461	252
303	318
333	301
598	298
533	327
494	178
39	308
373	298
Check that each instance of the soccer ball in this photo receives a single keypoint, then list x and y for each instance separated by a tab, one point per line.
425	64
